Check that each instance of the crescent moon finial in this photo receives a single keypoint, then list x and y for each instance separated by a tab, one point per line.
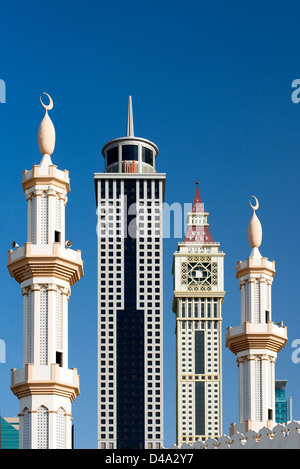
256	206
49	106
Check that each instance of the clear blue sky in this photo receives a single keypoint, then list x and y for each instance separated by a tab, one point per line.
211	86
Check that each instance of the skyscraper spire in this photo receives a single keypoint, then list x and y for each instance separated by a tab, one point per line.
130	129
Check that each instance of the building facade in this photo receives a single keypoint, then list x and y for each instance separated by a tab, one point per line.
257	340
46	269
283	405
9	432
198	272
129	197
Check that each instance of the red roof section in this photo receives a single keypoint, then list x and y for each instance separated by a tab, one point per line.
198	234
198	206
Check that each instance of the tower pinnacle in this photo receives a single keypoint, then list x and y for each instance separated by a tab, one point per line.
255	231
46	134
130	129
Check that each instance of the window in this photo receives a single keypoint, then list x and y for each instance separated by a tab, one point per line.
147	156
112	156
59	358
56	236
129	152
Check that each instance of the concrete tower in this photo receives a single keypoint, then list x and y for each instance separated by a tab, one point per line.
130	196
257	340
45	270
198	271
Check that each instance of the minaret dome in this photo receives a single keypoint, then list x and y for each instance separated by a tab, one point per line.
254	228
46	134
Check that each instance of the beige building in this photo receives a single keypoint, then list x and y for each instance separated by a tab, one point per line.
198	271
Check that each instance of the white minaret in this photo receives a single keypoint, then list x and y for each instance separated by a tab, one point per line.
257	340
45	270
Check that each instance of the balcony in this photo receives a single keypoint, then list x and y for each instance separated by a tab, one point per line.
256	336
38	379
45	260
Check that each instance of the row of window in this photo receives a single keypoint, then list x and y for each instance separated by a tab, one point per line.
205	325
146	191
202	308
129	153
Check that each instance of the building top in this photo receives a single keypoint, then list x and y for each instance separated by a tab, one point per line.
130	154
280	383
198	227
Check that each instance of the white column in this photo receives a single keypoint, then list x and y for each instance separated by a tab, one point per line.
51	215
25	325
243	305
29	205
63	203
241	388
36	323
38	218
64	305
68	438
33	425
51	323
21	430
265	387
52	415
251	299
252	388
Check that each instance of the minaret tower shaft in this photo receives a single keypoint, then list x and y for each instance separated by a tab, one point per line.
45	270
257	340
198	272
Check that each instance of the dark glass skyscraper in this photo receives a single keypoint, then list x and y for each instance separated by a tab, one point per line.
130	196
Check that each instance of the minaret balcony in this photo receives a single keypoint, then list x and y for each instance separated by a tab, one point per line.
50	175
45	260
43	379
256	336
255	265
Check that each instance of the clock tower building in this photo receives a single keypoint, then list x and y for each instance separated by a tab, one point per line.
197	303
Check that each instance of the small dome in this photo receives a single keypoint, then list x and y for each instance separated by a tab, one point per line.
46	134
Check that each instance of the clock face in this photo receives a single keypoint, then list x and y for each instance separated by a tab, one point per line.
199	273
